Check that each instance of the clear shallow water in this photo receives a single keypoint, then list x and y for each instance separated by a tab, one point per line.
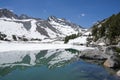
49	65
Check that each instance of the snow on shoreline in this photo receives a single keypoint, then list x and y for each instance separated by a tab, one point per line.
7	46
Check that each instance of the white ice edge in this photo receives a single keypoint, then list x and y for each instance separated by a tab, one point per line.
37	46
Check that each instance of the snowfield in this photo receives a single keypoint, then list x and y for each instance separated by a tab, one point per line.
12	46
79	40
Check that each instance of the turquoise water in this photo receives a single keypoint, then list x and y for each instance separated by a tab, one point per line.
49	65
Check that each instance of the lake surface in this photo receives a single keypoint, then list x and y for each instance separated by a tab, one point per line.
60	64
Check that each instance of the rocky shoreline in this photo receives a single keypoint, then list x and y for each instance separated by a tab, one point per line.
109	55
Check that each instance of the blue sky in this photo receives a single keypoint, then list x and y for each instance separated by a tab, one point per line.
82	12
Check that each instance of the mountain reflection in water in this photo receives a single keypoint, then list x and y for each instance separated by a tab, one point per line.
59	64
21	59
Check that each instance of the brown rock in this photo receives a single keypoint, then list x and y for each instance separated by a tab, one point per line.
108	63
112	62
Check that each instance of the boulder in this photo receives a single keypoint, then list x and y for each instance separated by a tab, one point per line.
118	73
109	63
119	44
94	54
108	50
112	62
109	54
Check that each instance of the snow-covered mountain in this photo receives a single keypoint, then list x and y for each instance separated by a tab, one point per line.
23	27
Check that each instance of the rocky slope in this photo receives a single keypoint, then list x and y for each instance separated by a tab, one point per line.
23	27
107	31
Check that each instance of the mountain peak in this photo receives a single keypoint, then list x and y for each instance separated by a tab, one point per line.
52	18
7	13
24	16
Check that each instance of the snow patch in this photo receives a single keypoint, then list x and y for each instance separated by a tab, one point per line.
6	46
79	40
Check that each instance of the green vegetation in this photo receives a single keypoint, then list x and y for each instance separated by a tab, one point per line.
67	38
116	52
110	29
117	49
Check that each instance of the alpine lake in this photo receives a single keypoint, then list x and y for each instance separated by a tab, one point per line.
59	64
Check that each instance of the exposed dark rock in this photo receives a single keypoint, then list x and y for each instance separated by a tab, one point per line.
42	30
2	36
7	13
46	24
23	16
42	24
64	22
35	39
22	38
14	37
26	24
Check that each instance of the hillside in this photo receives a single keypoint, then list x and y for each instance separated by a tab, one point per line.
108	30
105	32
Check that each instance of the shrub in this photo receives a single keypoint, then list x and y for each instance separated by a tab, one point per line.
67	38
